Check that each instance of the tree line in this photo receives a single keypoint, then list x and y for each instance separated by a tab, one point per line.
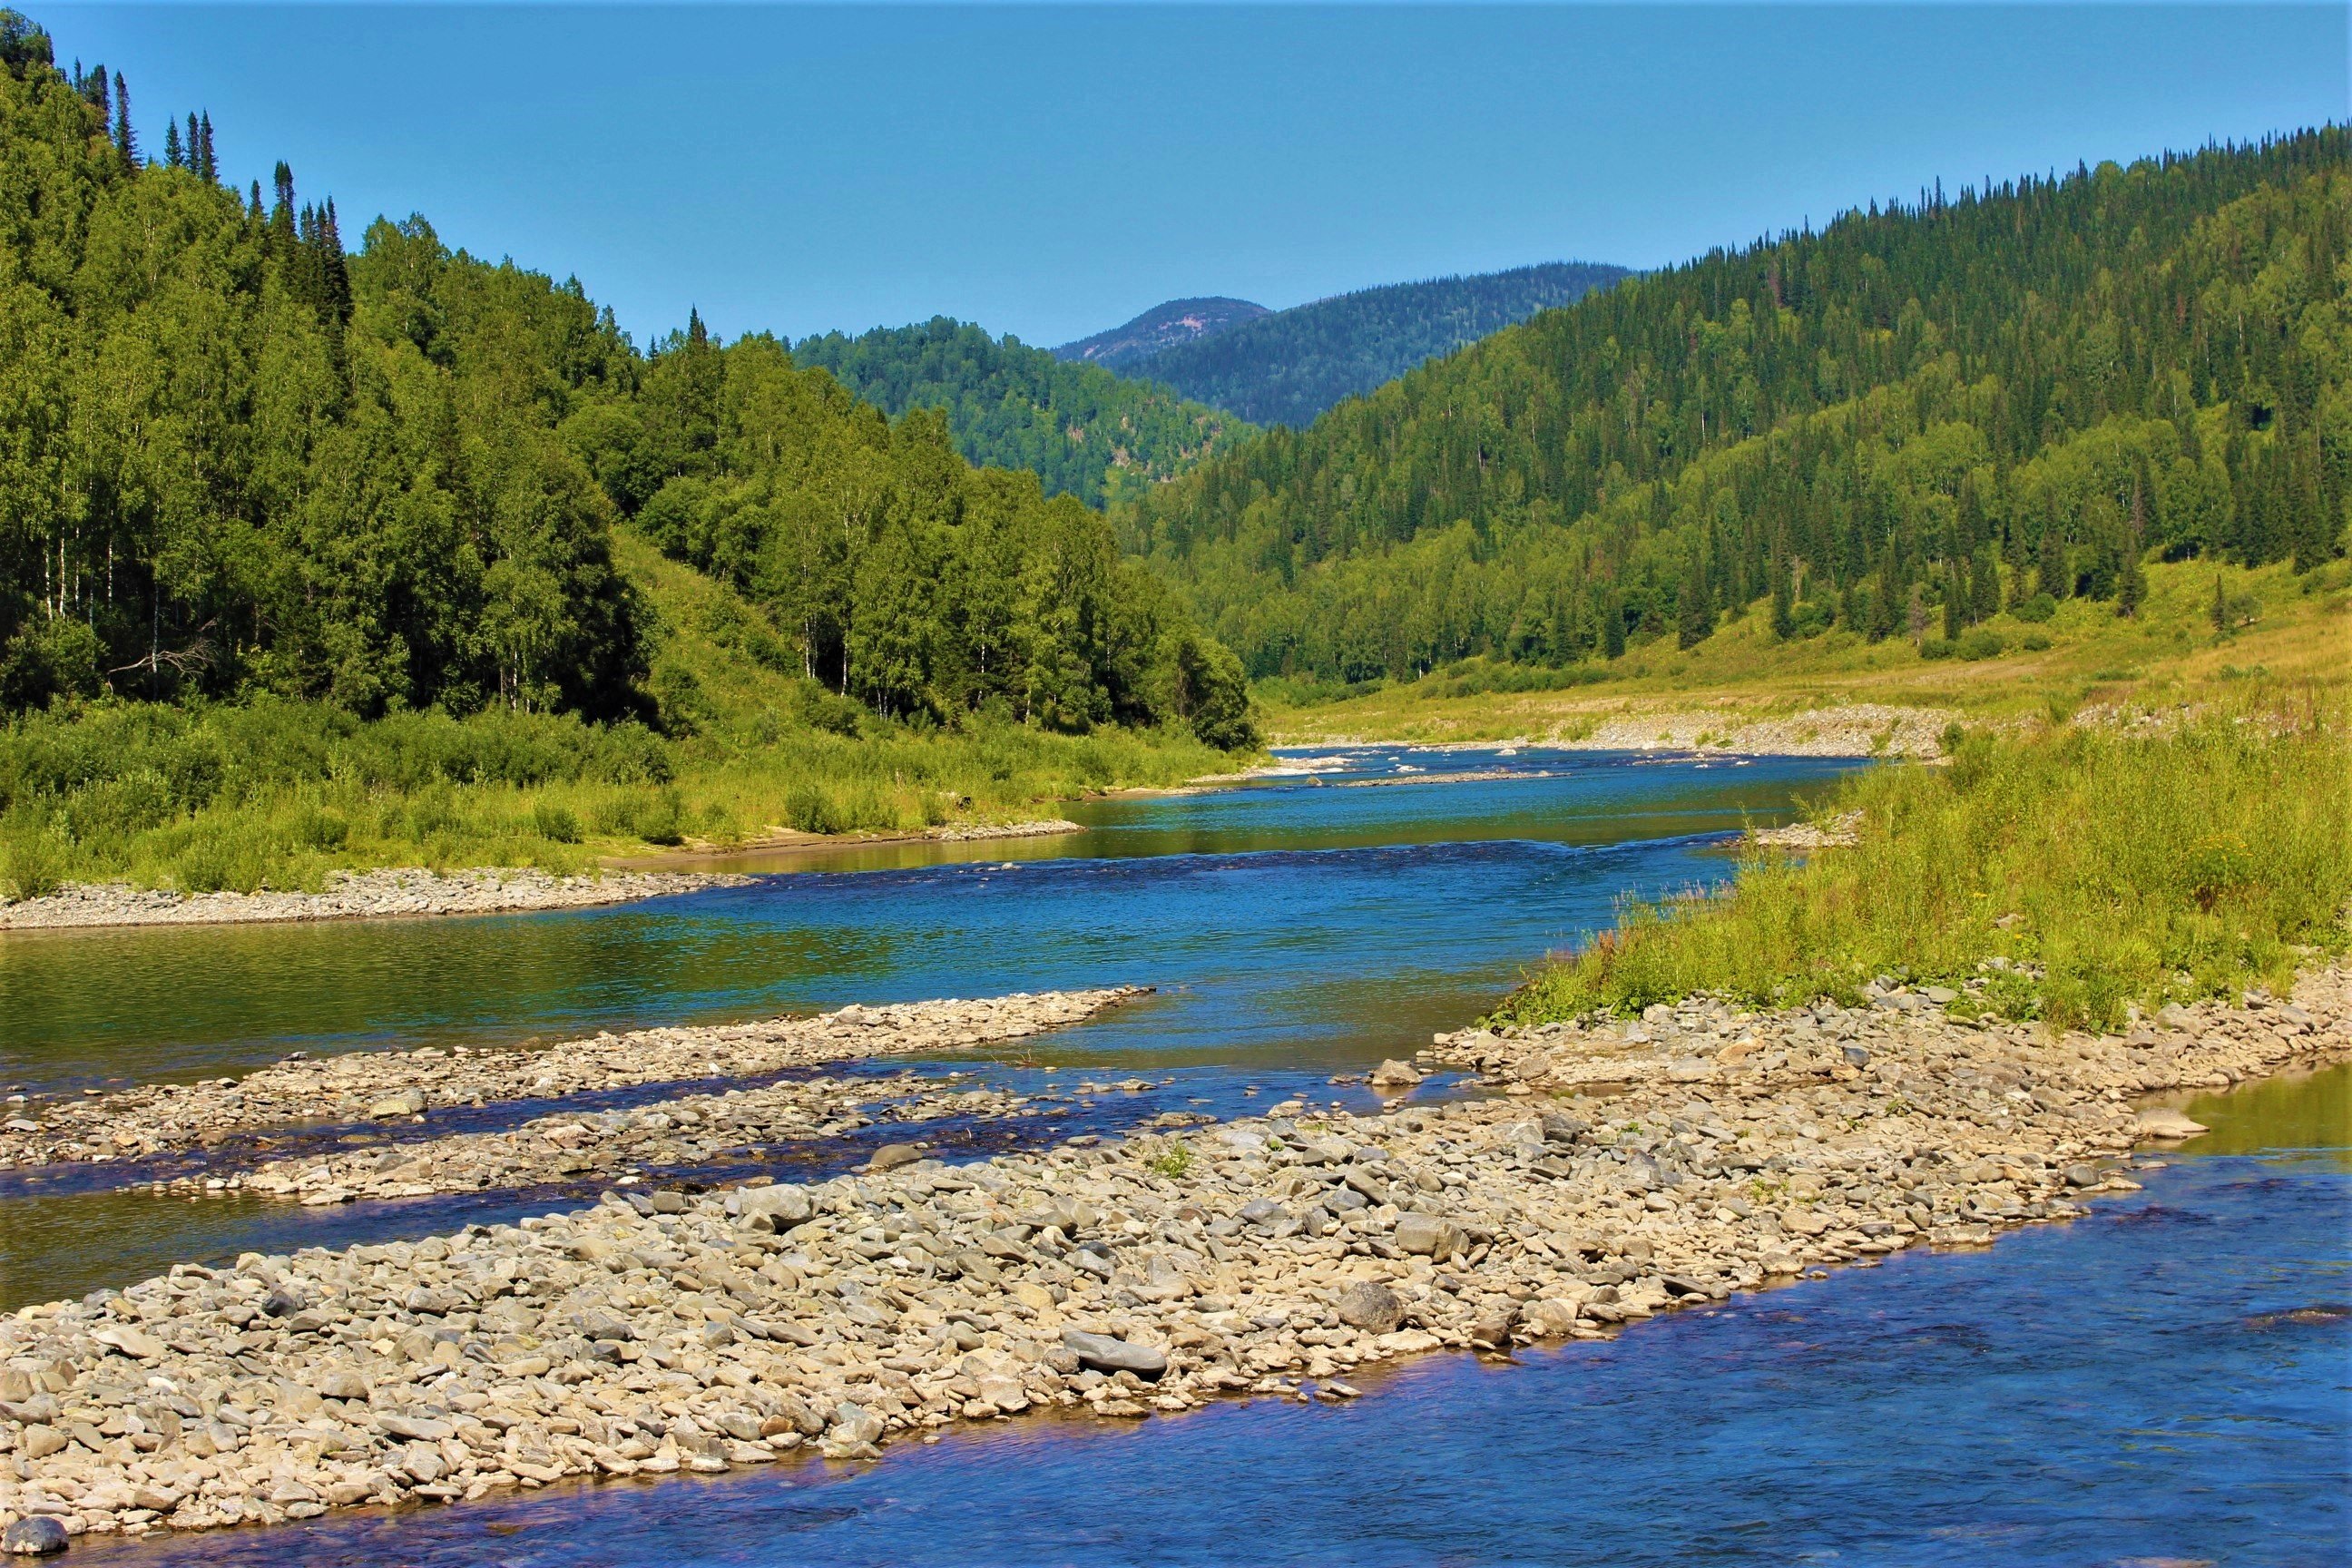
1926	414
235	458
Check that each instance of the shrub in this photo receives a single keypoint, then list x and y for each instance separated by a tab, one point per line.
2036	610
1981	643
33	868
810	809
556	824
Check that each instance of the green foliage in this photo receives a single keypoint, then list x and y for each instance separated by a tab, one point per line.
2100	871
2012	393
1287	367
1082	430
1171	1162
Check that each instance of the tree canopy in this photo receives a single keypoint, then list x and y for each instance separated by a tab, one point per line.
1930	410
1082	430
234	457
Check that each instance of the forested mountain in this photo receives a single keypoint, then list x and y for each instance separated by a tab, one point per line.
1921	416
1287	367
1160	327
1082	430
234	459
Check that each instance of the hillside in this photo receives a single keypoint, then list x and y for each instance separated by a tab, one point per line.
1161	327
1287	367
1082	430
240	460
1900	428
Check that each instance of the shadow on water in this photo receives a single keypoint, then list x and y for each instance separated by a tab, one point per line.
2104	1392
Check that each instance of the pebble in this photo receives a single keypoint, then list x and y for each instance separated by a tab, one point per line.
710	1331
409	890
386	1085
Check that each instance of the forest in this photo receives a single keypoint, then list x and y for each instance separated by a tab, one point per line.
238	459
1285	367
1929	413
1081	429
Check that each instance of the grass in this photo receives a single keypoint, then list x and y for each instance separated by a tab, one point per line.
2285	629
279	794
2096	869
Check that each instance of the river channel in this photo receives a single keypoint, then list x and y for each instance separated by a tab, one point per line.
2167	1380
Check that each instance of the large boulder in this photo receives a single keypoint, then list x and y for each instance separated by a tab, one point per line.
1105	1353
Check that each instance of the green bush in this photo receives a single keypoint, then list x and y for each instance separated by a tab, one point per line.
556	824
34	867
1981	643
2036	610
810	809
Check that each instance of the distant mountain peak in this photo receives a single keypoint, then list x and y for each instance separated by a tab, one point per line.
1164	326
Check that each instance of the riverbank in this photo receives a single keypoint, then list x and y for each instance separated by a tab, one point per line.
404	1086
1675	1159
786	840
353	895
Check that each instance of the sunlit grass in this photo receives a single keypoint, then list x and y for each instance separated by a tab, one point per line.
2107	870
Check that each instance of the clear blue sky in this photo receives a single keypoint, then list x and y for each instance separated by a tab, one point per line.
1051	171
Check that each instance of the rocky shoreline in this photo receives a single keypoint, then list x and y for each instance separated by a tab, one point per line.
1624	1168
402	1086
351	895
1853	730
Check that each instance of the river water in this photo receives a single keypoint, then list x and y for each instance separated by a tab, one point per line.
2169	1380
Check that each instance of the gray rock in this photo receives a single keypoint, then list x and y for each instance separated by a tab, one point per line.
414	1428
1426	1235
1371	1306
2082	1175
1105	1353
891	1155
1857	1055
406	1102
1260	1210
783	1202
36	1535
1361	1180
134	1342
853	1426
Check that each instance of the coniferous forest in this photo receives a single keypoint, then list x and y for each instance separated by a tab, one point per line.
1928	413
1081	429
1284	367
235	458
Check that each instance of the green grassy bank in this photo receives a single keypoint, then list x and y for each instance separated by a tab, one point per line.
2106	868
271	792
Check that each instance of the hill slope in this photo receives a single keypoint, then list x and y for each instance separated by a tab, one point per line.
1161	327
1082	430
1901	426
1289	366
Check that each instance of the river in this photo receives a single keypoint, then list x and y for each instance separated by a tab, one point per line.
2164	1381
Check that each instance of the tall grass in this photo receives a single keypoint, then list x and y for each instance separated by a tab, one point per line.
277	794
2107	870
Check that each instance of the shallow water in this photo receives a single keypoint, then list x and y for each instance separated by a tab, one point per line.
1295	929
2169	1380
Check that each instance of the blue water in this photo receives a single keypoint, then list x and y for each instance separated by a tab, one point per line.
1295	929
2149	1384
1290	923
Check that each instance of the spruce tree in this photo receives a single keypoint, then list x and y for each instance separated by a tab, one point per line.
208	163
1784	618
2053	575
126	140
1694	610
170	143
1612	627
1956	601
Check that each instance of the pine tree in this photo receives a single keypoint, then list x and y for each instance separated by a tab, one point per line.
1984	584
2054	575
2131	578
126	140
1612	627
207	162
1784	618
1956	601
172	144
1694	611
337	265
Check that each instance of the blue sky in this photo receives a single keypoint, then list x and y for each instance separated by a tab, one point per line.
1050	171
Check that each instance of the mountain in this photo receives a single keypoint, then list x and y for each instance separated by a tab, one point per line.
1288	366
1921	416
239	461
1161	327
1082	430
